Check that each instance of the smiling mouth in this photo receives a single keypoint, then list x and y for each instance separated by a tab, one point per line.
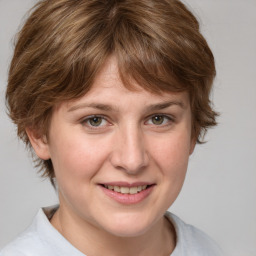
127	190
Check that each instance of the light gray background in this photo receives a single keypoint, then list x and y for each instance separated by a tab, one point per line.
219	195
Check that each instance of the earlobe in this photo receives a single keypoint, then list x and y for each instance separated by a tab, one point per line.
39	143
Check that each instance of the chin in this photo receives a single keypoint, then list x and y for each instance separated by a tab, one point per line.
129	226
129	231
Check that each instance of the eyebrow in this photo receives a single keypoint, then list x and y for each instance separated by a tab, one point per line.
105	107
99	106
164	105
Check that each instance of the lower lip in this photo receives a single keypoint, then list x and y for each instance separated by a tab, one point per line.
128	198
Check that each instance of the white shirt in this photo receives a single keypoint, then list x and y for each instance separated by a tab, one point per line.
42	239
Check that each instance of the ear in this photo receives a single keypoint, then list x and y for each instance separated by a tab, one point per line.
39	143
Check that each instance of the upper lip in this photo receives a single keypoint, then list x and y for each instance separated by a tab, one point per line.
127	184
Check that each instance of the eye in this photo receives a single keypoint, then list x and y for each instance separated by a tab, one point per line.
95	122
159	120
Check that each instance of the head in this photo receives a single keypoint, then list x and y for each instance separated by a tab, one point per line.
64	44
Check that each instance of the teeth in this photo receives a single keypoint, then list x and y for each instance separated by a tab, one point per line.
133	190
126	190
116	188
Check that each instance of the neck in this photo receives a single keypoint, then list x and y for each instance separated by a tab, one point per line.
90	240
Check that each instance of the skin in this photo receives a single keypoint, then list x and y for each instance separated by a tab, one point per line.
137	137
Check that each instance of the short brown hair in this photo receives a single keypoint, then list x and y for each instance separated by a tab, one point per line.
64	43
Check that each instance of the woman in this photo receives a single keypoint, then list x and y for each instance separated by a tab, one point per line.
112	97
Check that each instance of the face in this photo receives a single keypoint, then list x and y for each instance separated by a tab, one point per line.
120	156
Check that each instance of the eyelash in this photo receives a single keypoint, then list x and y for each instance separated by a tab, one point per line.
167	119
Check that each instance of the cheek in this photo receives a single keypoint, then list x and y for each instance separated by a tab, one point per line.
78	158
172	154
76	162
171	158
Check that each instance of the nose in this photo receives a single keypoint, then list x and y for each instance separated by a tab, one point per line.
129	151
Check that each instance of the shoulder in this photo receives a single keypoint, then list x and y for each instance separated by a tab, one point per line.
27	243
192	241
40	239
23	245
